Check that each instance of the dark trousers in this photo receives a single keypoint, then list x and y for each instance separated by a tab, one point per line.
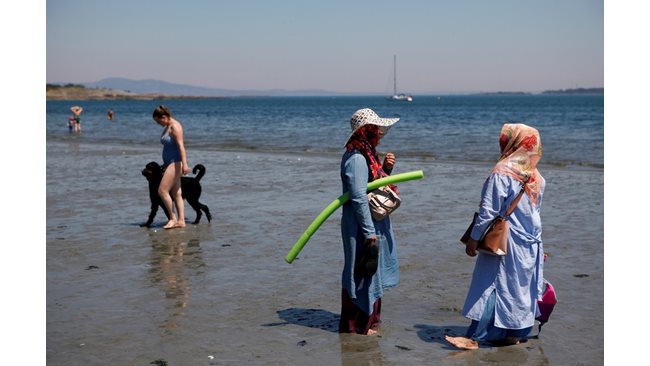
354	320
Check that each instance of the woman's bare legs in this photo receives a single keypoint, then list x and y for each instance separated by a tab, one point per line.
180	204
170	187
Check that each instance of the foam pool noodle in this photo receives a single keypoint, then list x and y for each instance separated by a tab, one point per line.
318	221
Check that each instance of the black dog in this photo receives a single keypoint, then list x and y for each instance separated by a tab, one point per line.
190	189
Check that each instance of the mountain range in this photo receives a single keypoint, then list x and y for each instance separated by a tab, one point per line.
150	86
159	87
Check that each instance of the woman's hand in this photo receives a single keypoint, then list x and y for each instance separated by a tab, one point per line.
368	262
371	240
470	247
186	169
389	161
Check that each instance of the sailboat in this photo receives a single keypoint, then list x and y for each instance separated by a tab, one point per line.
401	96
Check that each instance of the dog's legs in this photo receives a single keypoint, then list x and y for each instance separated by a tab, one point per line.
207	211
154	210
152	215
197	207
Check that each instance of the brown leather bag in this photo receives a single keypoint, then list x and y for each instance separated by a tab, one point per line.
495	239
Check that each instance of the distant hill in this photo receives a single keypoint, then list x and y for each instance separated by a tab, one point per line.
576	91
503	93
80	92
151	86
115	88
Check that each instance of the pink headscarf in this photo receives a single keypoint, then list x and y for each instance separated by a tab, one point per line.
521	150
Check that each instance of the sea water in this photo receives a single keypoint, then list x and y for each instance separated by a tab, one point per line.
456	128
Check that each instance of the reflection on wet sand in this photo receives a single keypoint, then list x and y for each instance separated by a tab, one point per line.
355	349
360	350
170	262
529	352
522	354
73	145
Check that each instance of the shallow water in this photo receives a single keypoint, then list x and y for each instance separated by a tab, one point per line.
460	128
221	293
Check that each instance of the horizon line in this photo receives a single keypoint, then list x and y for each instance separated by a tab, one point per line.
315	91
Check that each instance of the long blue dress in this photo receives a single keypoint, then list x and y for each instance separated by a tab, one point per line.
508	286
357	225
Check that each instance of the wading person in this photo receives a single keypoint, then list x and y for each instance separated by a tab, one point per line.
502	298
174	165
369	247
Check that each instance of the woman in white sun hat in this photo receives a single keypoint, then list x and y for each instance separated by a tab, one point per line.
369	247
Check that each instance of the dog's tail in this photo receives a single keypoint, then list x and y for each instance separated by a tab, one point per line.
201	170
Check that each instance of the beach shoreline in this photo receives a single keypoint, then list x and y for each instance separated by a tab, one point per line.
223	289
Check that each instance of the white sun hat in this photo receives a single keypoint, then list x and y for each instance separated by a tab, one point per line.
367	116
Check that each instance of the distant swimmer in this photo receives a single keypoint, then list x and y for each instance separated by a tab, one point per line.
109	114
76	111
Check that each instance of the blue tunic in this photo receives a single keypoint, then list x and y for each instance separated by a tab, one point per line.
517	278
356	226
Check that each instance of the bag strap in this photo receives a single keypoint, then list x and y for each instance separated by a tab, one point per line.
514	203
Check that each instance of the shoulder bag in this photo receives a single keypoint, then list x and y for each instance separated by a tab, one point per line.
494	240
382	202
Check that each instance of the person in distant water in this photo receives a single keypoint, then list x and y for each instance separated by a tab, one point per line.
369	247
109	114
502	298
174	166
76	111
71	124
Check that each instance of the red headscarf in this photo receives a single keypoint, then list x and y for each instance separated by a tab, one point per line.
521	150
365	140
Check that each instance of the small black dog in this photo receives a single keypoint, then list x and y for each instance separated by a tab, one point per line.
190	189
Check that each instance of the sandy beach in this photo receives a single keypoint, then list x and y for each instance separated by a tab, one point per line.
220	293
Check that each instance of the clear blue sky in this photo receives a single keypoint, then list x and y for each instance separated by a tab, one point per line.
345	46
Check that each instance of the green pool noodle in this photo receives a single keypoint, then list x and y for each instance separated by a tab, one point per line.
329	210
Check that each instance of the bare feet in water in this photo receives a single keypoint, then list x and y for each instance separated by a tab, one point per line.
372	332
462	342
173	224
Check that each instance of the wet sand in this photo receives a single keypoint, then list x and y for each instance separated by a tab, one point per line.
220	293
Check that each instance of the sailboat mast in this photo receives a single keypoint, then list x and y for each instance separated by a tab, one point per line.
394	74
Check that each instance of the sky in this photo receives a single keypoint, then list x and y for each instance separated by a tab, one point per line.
335	45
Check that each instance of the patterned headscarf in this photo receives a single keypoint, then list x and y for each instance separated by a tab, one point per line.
521	150
365	140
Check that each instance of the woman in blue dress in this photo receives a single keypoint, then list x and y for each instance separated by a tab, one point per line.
502	298
369	247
